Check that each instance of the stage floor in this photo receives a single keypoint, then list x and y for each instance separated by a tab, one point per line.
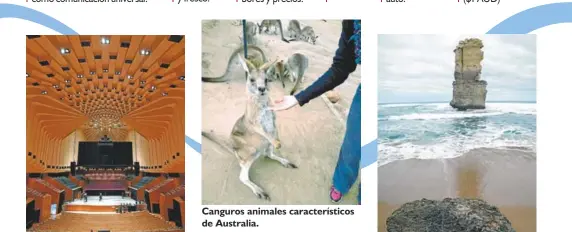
107	200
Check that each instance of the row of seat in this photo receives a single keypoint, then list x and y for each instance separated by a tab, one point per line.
77	222
33	193
160	185
96	185
66	181
143	182
175	190
45	183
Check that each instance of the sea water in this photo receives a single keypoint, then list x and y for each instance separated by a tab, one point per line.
436	130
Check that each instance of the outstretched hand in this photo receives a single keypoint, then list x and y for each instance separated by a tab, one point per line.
284	103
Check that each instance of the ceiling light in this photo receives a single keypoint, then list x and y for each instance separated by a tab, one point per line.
44	92
164	94
105	70
105	40
153	88
68	81
118	73
79	75
27	75
145	52
142	82
56	86
182	78
64	51
92	73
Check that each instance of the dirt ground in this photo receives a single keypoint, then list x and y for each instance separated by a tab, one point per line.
311	136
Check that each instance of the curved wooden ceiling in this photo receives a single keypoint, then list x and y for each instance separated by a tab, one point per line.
102	84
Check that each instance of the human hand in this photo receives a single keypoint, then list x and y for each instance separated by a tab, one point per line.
285	103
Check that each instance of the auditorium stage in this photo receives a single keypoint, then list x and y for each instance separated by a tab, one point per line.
107	205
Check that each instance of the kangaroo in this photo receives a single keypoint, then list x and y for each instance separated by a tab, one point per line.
255	134
309	35
277	72
293	69
224	77
294	30
252	30
296	65
267	24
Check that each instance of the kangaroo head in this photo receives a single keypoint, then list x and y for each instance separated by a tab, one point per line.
313	39
256	79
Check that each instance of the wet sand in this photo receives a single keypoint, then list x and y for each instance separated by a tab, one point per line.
504	178
311	136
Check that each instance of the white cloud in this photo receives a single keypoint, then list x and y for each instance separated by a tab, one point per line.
421	67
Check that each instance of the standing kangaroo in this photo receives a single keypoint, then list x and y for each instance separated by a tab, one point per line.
294	30
267	24
224	77
255	134
296	65
294	68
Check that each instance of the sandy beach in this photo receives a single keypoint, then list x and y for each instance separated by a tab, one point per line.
505	178
311	136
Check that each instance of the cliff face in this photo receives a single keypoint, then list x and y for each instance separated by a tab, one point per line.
469	91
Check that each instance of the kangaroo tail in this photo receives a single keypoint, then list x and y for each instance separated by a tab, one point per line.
224	77
220	142
282	32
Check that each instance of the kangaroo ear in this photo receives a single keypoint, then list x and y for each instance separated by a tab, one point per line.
267	65
245	64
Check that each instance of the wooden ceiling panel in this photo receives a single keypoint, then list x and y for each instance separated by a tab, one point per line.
99	81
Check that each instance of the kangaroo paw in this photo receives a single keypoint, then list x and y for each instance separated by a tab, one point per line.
277	144
262	195
291	165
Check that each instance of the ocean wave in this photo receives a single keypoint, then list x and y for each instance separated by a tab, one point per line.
444	111
431	131
454	145
387	154
434	116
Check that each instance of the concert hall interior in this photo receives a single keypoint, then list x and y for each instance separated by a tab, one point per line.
105	133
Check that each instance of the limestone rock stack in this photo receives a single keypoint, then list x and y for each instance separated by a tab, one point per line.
469	91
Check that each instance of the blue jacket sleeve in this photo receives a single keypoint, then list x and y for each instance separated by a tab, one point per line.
343	64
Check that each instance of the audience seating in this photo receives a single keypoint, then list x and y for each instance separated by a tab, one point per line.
166	199
143	182
42	201
138	189
77	222
57	195
152	194
67	182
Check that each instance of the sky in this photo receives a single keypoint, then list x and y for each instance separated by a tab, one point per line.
420	68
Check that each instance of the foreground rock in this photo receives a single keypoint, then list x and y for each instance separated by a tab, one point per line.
449	215
469	91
